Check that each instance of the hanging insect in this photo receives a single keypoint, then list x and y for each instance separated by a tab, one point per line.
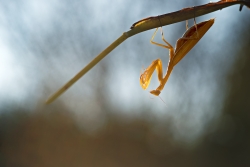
183	46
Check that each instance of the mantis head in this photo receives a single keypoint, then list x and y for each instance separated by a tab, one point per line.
155	92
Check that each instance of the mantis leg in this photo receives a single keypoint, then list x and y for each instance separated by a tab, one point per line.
147	74
157	64
157	91
168	46
145	78
169	69
197	34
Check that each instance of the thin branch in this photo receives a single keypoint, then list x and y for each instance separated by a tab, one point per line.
181	15
150	23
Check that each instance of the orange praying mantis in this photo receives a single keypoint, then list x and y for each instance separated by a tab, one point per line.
183	46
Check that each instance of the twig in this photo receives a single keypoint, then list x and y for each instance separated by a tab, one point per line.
150	23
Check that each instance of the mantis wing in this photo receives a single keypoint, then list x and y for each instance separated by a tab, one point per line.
190	39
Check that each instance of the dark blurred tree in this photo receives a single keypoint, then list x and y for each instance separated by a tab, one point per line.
228	141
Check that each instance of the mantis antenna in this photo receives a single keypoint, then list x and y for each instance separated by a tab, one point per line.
183	46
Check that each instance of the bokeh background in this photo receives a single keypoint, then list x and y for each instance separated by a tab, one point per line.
106	118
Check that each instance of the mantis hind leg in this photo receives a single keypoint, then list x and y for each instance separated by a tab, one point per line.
195	25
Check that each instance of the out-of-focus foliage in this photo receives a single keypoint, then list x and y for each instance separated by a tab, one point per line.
106	119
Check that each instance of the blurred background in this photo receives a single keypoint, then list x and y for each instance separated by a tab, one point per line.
106	118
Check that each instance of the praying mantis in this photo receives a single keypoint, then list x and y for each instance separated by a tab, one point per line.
183	46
